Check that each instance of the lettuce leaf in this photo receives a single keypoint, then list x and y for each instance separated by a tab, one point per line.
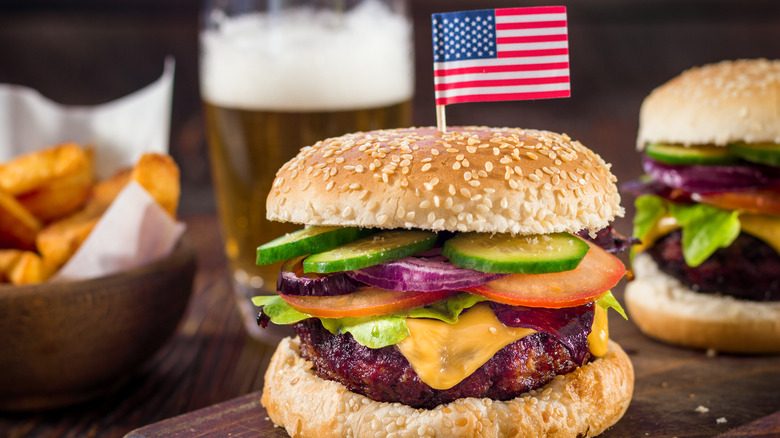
704	230
371	331
608	301
649	209
278	310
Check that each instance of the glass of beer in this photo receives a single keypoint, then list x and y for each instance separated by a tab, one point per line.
278	75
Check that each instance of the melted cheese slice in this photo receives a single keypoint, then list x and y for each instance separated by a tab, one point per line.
444	354
764	227
598	339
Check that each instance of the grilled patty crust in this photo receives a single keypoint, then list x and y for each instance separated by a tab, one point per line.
747	269
385	375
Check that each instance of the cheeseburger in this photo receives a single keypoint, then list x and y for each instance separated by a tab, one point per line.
707	274
445	284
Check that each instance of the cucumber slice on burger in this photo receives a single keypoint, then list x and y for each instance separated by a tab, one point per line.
677	154
308	241
763	153
508	254
382	247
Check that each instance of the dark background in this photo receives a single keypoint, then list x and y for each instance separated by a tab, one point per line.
92	51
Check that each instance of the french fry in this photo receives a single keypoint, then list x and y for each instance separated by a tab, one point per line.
59	197
159	175
31	171
58	241
29	269
8	258
18	226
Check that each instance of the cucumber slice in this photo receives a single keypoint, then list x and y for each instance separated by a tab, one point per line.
308	241
763	153
507	254
677	154
369	251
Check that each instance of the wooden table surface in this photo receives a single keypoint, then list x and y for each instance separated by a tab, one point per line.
211	360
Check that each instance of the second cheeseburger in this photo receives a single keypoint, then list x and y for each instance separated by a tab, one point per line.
446	283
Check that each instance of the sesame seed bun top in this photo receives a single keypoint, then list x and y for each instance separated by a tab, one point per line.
715	104
481	179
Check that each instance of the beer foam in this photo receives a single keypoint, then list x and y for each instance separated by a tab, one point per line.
306	61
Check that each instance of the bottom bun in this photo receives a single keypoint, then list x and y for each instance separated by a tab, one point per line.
582	403
665	309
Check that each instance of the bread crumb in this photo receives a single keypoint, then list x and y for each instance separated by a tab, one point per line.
711	352
721	420
702	409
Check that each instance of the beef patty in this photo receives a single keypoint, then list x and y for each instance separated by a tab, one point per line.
747	269
385	375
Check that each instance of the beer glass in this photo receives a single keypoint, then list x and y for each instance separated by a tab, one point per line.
278	75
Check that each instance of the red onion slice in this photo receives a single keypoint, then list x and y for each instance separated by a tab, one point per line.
711	179
292	281
421	274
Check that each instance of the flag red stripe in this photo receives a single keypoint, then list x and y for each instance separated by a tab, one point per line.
531	25
531	39
507	96
502	83
500	68
526	53
531	10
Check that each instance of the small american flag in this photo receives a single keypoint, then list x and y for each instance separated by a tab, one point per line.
501	54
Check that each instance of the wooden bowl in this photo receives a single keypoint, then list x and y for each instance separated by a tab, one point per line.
63	343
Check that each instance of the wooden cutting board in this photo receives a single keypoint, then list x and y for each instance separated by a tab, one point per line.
678	393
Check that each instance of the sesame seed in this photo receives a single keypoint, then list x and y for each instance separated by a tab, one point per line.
489	166
425	204
329	186
532	155
482	174
474	183
427	160
533	177
465	192
471	149
426	167
456	165
434	152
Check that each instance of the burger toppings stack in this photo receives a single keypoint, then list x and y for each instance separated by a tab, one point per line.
446	282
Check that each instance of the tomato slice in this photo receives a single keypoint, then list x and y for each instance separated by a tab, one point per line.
598	272
760	201
367	301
